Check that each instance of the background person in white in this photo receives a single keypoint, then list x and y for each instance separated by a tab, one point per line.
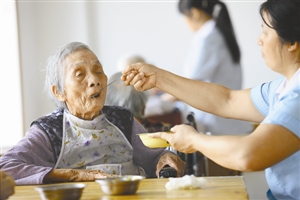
274	145
214	56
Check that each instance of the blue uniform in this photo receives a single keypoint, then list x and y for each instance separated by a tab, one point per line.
279	102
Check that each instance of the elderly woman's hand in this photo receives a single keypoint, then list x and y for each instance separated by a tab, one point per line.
7	185
68	175
173	161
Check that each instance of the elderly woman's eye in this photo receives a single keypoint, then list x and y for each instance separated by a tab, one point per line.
99	72
78	74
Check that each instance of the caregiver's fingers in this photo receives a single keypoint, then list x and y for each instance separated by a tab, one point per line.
132	68
139	86
128	77
154	135
162	135
135	78
175	128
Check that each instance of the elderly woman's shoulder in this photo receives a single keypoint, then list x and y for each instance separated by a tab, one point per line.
55	115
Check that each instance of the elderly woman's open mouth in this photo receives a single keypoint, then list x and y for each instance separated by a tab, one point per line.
96	95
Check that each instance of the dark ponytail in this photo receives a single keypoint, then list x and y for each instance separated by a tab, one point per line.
222	18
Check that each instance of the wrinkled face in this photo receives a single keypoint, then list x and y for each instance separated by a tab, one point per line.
85	84
271	46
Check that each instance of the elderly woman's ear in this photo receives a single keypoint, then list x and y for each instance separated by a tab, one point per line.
57	94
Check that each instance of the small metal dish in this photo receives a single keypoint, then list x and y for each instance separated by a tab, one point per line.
69	191
120	185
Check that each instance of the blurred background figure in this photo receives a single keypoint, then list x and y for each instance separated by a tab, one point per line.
7	185
120	95
213	56
127	59
154	106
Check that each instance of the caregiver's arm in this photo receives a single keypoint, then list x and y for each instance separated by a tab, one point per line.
266	146
207	97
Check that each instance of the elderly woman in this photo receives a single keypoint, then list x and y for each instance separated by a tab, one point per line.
274	145
82	132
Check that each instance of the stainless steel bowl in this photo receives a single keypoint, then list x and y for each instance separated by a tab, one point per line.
120	185
69	191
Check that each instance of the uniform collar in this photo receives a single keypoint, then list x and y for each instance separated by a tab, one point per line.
287	85
206	28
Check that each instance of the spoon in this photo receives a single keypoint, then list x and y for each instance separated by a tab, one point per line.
109	84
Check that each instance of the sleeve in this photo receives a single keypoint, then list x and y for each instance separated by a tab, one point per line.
143	156
259	98
261	95
30	160
286	112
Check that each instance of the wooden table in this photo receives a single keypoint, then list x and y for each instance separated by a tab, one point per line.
227	187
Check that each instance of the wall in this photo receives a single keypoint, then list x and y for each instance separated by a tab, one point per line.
43	27
10	79
247	22
154	29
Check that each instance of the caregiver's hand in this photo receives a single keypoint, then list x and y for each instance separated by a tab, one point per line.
140	75
181	137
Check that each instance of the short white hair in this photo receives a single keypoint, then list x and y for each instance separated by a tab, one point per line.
55	70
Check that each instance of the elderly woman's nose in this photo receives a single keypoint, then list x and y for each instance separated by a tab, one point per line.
94	80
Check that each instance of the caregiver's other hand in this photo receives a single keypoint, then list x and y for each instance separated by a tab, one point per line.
7	185
173	161
140	75
180	138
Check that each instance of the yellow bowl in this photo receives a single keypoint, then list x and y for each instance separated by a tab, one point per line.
153	142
